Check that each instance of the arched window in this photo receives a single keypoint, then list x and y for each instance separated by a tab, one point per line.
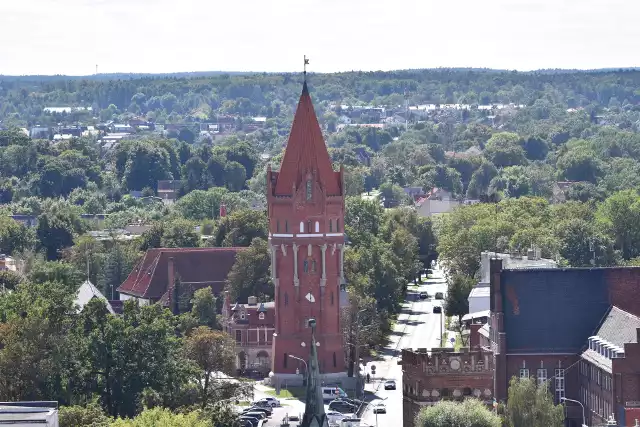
286	226
331	298
313	265
286	299
309	189
306	266
284	362
261	316
335	361
278	226
301	226
337	225
309	227
330	226
317	227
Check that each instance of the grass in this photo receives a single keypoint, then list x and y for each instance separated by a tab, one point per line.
244	403
290	393
443	340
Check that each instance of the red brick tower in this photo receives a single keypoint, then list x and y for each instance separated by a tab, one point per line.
306	213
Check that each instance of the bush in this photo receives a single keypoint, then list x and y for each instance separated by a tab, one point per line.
471	412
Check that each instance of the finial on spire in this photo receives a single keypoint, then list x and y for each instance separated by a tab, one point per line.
306	62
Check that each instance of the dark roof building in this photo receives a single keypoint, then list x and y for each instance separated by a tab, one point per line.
153	278
573	329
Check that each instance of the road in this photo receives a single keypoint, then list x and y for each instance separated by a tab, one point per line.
417	327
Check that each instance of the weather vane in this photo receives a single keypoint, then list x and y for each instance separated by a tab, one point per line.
306	62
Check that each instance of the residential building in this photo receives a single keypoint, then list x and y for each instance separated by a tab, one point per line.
7	263
168	190
252	326
26	220
574	329
306	237
26	414
156	275
435	202
429	377
560	190
416	193
86	293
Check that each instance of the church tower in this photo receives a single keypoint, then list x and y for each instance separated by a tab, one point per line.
306	216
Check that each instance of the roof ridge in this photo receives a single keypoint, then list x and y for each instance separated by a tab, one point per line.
623	311
153	271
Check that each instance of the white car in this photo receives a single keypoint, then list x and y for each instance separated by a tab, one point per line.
379	408
334	417
271	401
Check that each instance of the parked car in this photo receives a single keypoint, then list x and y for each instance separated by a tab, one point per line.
253	420
267	411
255	414
267	403
273	400
350	422
439	295
390	385
335	417
437	309
424	295
342	406
379	408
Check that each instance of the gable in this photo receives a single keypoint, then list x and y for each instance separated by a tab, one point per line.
552	311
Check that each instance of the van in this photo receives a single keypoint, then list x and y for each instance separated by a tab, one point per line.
330	393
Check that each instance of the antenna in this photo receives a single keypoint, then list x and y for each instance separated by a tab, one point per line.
306	62
96	69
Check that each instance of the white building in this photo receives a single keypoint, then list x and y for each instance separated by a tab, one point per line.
17	415
437	201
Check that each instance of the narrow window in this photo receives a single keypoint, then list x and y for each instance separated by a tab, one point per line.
301	227
309	227
331	298
284	362
278	226
541	376
330	226
337	225
335	361
313	265
238	336
286	226
317	227
309	189
286	299
306	266
524	373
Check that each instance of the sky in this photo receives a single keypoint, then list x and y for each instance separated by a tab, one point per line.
161	36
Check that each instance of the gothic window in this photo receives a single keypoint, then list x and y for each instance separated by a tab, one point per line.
335	361
317	227
306	266
309	189
308	226
261	316
301	227
313	265
238	336
286	226
331	298
286	299
242	315
277	226
337	225
284	362
330	226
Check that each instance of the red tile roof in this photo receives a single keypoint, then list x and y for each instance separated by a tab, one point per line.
198	267
306	152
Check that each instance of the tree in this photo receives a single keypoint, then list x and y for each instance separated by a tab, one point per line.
619	214
9	280
90	415
504	149
179	233
54	233
203	308
14	236
213	352
249	276
160	417
240	228
529	405
457	299
235	176
470	412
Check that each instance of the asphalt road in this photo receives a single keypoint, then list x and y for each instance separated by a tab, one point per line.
417	327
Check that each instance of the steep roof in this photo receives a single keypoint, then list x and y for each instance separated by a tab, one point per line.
87	292
199	267
306	152
618	328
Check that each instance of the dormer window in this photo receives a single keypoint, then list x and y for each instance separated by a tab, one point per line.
261	316
309	189
242	316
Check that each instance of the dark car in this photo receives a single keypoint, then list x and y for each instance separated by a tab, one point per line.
253	420
437	309
342	406
267	411
424	295
439	295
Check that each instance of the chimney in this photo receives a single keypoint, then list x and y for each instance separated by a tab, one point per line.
474	335
223	210
252	300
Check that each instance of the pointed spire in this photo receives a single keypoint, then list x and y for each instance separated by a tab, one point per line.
306	153
314	415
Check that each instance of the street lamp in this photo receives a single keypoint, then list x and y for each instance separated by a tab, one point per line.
584	419
306	368
374	409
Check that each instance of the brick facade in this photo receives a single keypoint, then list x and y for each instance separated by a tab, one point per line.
444	375
306	239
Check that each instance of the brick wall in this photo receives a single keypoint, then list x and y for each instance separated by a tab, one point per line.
624	288
626	378
445	374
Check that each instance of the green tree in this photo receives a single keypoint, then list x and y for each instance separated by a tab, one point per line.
457	299
619	214
160	417
240	228
470	412
179	233
529	405
90	415
504	149
249	276
9	280
14	236
235	176
213	352
54	232
203	308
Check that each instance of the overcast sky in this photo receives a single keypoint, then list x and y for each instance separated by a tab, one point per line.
152	36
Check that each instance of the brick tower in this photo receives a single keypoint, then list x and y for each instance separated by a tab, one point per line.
306	212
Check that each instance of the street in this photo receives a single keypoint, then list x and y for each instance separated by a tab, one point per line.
417	327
